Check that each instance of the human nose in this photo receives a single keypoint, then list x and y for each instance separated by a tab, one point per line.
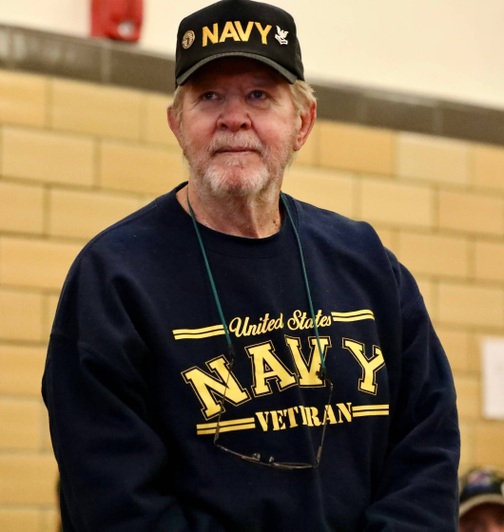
234	115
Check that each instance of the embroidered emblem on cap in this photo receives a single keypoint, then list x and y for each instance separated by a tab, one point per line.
280	36
188	39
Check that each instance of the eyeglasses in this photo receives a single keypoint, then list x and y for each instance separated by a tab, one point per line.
270	461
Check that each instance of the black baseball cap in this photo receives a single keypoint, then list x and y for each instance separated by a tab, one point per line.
480	486
243	28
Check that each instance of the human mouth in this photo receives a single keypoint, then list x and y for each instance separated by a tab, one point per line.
240	147
234	150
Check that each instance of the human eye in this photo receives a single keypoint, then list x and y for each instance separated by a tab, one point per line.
208	96
258	94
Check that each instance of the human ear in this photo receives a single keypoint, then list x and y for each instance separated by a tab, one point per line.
307	119
174	122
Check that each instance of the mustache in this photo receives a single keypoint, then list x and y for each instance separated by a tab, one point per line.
235	142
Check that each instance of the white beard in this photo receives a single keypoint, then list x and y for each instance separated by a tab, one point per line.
231	175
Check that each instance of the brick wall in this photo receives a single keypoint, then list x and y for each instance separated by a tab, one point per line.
77	156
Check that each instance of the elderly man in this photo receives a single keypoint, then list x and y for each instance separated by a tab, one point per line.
231	359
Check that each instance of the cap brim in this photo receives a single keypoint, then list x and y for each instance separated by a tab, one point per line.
492	498
289	76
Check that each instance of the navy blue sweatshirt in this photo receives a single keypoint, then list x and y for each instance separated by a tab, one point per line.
138	371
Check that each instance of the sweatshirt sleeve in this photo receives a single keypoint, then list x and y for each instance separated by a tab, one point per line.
417	489
113	464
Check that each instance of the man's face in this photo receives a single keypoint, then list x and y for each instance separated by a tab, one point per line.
238	127
483	518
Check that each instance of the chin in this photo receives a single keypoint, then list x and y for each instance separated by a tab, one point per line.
237	182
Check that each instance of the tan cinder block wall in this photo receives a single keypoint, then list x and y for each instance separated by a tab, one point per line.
76	156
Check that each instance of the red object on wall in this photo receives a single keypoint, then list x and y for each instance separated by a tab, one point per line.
117	19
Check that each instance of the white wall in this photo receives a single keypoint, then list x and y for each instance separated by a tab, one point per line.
452	49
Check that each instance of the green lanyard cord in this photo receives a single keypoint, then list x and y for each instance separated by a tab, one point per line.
321	373
212	282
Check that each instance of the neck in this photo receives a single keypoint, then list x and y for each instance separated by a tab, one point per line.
250	217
